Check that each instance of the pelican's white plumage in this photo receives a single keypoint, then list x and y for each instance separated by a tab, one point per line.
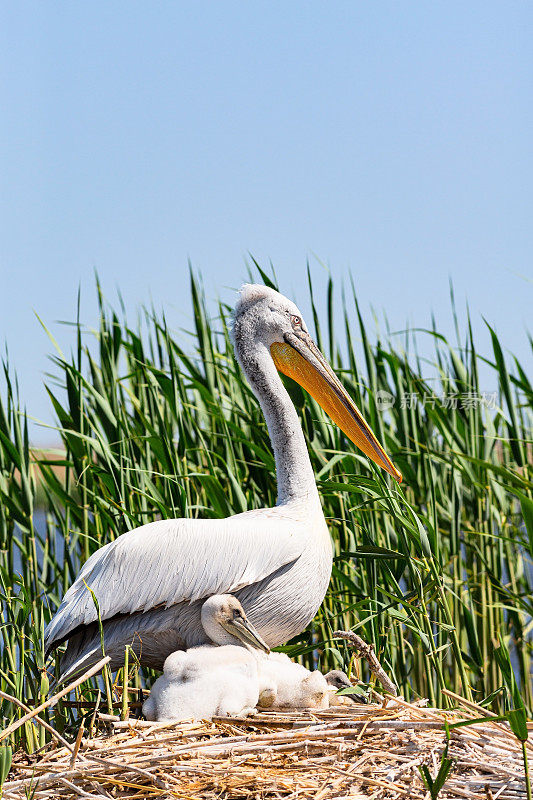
151	582
149	554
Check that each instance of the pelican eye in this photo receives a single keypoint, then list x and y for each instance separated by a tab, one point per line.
296	321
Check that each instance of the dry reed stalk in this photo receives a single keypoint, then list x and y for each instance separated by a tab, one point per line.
37	719
51	700
343	752
483	712
367	652
77	744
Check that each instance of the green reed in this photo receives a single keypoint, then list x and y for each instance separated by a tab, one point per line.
155	423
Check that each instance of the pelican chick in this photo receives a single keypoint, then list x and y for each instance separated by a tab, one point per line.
336	680
285	684
218	679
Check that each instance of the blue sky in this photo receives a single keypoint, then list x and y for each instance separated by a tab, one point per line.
391	139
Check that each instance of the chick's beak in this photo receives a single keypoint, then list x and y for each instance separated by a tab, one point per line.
245	631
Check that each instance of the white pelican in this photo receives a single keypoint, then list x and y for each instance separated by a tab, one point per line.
220	679
151	582
337	679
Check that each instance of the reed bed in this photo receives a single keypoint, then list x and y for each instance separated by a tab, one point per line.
154	422
377	751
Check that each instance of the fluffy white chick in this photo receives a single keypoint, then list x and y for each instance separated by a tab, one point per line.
285	684
211	680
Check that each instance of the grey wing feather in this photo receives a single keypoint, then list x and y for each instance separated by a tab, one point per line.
173	561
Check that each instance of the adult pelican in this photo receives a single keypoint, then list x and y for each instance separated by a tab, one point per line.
151	582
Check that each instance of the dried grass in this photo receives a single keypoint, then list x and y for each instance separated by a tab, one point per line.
348	751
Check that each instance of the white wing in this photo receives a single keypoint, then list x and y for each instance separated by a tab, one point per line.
177	560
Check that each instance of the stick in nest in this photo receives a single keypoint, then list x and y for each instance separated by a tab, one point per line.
366	651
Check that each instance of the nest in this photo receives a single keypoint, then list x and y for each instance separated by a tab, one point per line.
350	751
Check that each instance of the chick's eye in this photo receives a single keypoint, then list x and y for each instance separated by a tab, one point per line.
296	321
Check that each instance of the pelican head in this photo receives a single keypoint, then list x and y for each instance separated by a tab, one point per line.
222	614
338	679
265	319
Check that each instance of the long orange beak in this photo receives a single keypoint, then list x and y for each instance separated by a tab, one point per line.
300	359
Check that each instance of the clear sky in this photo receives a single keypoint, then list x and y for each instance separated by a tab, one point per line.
392	139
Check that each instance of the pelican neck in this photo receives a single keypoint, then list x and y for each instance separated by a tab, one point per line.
294	474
